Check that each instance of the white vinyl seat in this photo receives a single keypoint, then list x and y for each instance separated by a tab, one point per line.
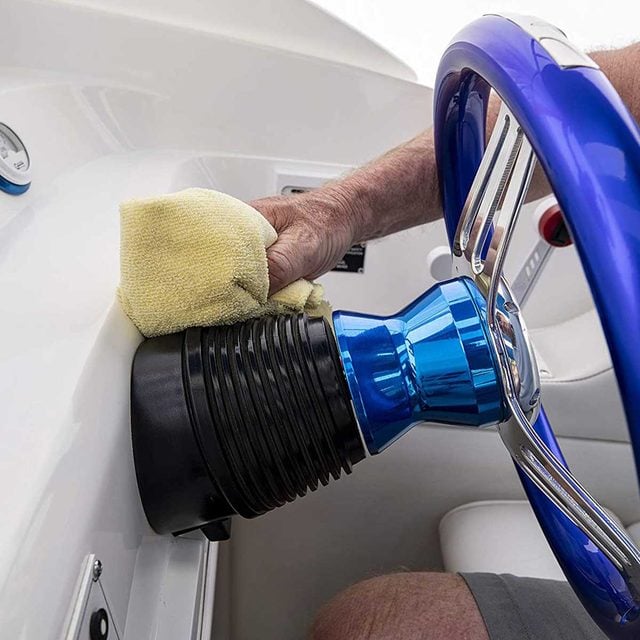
500	536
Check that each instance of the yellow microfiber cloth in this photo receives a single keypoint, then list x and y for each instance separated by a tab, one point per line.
198	258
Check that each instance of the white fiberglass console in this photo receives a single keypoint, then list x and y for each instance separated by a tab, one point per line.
105	107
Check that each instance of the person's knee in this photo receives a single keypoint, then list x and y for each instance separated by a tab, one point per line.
353	612
402	606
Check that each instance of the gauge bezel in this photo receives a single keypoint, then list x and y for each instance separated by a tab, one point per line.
19	177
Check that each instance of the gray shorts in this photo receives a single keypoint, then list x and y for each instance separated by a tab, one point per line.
530	609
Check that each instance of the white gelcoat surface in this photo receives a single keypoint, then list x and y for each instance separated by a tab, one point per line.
418	32
384	518
113	107
293	25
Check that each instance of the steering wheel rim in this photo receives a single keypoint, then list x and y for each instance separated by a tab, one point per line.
589	147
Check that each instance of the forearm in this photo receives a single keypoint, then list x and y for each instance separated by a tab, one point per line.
396	191
400	189
621	68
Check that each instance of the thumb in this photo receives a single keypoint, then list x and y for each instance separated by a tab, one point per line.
286	262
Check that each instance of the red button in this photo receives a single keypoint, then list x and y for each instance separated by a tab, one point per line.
553	229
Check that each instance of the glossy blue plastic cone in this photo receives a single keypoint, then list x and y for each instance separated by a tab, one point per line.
430	362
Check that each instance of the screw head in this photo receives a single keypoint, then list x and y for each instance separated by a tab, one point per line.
97	570
511	307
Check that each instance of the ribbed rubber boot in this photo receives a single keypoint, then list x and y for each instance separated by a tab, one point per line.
239	419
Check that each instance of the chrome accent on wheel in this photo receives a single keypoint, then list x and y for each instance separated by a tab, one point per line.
480	245
562	488
552	39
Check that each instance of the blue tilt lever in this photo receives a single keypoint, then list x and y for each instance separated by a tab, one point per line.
429	362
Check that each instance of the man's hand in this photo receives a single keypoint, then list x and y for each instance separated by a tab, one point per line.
315	229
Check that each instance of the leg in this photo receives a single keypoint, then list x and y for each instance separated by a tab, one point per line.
402	606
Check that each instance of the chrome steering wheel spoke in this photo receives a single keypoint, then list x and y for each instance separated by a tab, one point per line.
544	469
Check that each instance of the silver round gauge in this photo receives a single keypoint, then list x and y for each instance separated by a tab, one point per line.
15	164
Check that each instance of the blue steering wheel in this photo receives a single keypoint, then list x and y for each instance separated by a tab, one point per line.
560	108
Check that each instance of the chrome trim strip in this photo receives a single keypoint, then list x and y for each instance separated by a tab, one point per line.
552	39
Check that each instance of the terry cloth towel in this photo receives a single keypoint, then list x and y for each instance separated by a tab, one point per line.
198	258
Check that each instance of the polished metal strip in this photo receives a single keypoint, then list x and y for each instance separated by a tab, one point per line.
564	490
514	196
552	40
498	183
479	186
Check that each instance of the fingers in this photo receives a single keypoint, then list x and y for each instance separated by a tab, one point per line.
284	260
296	254
278	210
313	234
284	265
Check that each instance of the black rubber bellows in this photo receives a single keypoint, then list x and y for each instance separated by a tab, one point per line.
238	419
